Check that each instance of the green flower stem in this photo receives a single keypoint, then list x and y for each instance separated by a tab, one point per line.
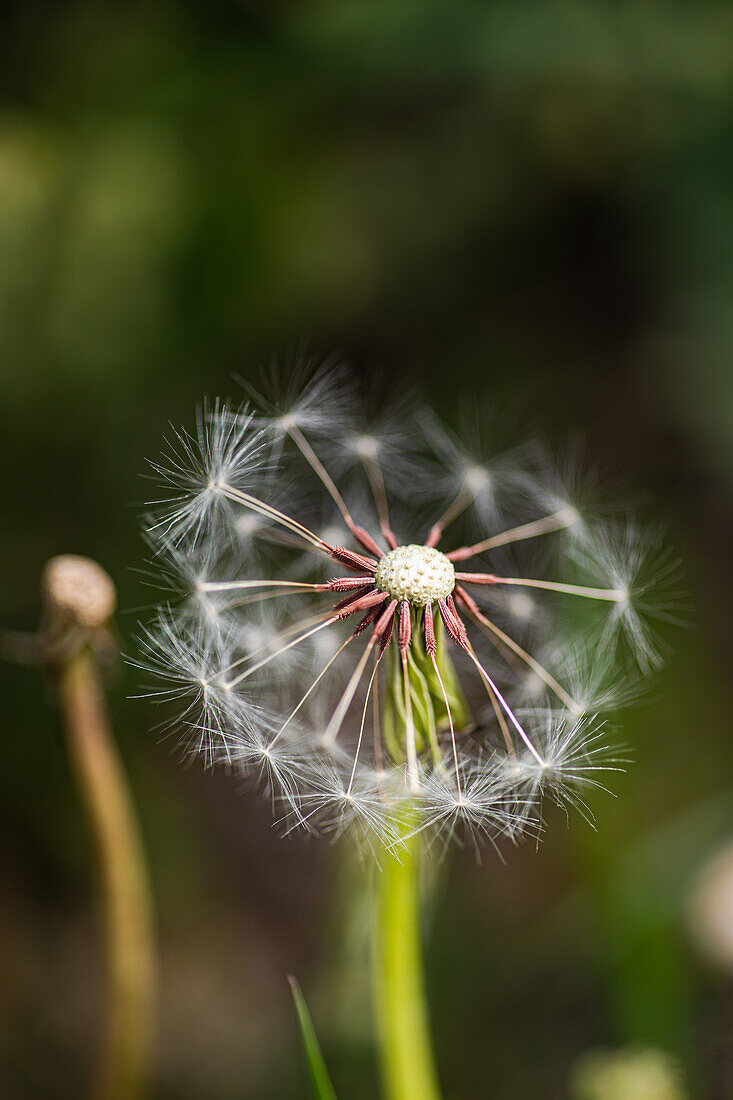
405	1047
126	899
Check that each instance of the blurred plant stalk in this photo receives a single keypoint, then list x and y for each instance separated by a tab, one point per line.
124	887
403	1027
80	600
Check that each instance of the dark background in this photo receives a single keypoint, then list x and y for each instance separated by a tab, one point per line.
527	201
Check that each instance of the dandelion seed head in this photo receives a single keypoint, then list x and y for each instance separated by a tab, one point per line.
360	677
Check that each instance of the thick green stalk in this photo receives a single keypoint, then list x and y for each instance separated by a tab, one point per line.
405	1047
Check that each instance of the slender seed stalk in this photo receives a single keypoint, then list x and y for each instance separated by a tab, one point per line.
403	1030
121	867
79	603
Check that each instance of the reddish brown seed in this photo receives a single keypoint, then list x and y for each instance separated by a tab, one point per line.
462	633
431	645
458	619
452	623
404	627
363	590
448	621
357	562
386	617
362	603
343	584
368	618
386	636
384	627
466	600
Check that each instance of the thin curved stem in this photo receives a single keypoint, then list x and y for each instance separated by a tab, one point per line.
459	505
121	867
547	524
614	595
497	635
320	471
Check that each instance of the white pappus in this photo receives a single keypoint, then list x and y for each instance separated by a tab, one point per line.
367	679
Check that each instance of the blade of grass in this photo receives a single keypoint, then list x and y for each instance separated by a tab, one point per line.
321	1082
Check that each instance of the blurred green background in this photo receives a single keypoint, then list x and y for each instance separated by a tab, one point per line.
529	200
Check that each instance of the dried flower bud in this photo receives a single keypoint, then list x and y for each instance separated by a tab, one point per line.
78	591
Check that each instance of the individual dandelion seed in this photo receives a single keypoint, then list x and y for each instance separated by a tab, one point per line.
355	692
224	452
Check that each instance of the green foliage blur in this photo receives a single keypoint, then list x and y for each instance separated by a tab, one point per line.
528	201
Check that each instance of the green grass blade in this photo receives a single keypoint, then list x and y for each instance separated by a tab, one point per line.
321	1082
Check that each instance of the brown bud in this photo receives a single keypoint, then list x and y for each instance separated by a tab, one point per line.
78	591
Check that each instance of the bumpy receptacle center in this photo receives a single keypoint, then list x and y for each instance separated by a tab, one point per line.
419	574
